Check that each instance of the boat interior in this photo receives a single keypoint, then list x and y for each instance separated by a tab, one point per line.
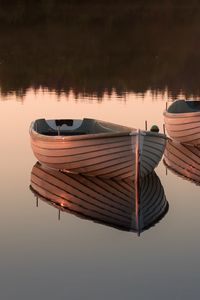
76	127
182	106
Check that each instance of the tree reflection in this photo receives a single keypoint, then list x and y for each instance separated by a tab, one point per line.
93	47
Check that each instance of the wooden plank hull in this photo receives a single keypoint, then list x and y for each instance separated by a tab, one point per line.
106	201
183	127
107	155
151	148
184	160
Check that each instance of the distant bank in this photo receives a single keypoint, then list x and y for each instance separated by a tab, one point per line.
93	46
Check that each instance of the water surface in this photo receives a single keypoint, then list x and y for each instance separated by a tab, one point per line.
114	63
46	258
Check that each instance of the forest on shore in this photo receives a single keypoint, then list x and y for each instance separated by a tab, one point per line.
93	46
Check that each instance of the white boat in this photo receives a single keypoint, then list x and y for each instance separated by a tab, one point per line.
184	160
124	204
182	121
96	148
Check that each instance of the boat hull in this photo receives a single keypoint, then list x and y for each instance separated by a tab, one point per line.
108	155
183	127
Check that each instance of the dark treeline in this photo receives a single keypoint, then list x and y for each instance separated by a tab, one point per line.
93	46
24	12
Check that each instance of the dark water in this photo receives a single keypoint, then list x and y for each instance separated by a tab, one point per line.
119	63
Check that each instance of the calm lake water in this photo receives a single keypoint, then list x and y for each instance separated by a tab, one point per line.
44	258
114	63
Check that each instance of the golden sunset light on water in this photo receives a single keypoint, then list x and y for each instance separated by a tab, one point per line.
100	153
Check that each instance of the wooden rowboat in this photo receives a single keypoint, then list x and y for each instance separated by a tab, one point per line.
120	204
182	121
183	160
95	148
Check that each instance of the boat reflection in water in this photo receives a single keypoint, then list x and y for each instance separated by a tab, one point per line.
126	204
183	160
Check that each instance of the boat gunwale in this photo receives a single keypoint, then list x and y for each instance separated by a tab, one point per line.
61	138
181	115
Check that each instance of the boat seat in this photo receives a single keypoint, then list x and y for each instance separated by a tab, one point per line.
63	133
67	122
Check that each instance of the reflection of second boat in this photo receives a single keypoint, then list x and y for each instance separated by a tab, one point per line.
121	204
184	160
